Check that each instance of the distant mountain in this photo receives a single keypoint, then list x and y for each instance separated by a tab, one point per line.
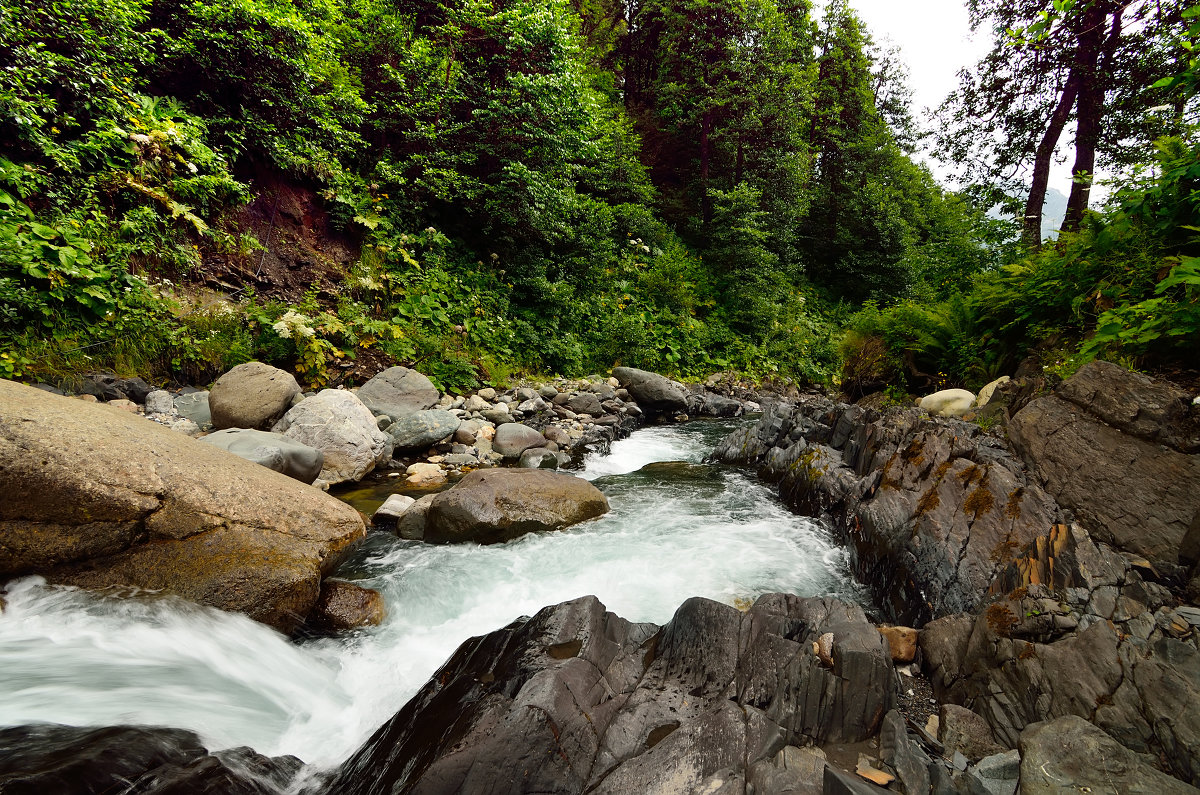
1054	209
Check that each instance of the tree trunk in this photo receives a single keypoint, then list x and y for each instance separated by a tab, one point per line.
1031	235
1090	108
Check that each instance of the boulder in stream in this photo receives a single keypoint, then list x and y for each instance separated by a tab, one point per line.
272	450
98	497
495	505
653	392
398	392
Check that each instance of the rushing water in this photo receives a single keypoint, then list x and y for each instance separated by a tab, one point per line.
675	530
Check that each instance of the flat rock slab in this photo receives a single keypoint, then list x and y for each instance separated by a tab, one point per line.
495	505
96	497
272	450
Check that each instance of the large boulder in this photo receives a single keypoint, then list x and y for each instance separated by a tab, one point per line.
653	392
398	391
96	497
423	428
336	422
513	438
194	406
577	699
251	395
494	505
272	450
1111	446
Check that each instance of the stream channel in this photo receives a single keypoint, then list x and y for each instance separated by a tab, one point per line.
674	531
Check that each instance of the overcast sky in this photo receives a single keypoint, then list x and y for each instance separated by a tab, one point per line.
935	40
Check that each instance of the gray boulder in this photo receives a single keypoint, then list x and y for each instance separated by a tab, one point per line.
251	395
585	403
653	392
159	402
493	505
272	450
513	438
85	503
336	422
423	428
538	458
397	392
194	406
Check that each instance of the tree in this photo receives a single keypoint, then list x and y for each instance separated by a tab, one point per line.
1087	61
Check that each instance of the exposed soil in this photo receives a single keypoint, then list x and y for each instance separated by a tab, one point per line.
303	245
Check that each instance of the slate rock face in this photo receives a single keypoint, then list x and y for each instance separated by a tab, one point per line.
1135	494
577	699
1071	751
932	510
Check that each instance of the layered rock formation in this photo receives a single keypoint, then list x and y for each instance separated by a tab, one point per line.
577	700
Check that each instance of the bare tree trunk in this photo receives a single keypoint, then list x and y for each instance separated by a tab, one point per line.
1090	108
1031	234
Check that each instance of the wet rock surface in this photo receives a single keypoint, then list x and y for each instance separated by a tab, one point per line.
43	759
1047	569
577	699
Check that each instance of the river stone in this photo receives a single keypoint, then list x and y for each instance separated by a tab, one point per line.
98	498
997	774
392	509
585	403
397	392
411	524
538	458
425	474
985	394
159	402
251	395
194	406
490	506
964	731
106	386
336	422
423	428
1069	750
653	392
343	605
513	438
948	402
476	403
498	415
272	450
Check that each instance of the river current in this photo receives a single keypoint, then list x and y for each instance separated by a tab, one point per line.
674	531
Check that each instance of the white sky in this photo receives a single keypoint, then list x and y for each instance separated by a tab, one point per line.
935	40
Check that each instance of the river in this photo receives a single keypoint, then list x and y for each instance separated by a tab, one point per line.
674	531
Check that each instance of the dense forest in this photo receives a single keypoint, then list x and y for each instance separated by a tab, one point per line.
558	186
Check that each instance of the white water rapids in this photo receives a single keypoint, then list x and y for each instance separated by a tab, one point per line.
674	532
